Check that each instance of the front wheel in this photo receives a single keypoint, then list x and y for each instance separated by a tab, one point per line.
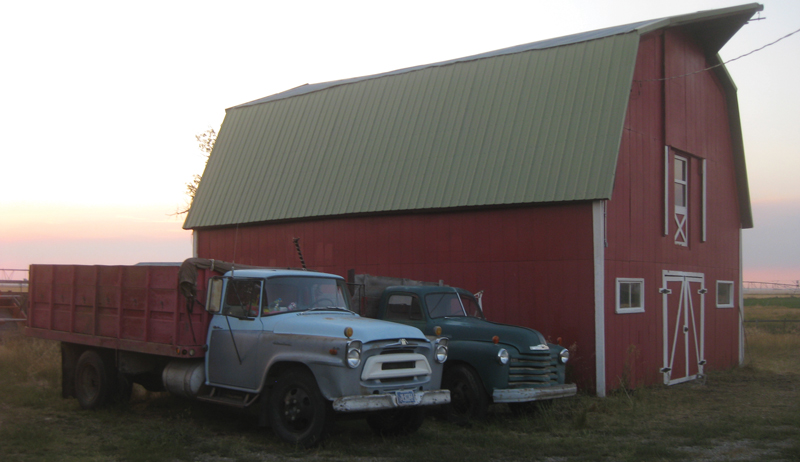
468	400
396	422
298	413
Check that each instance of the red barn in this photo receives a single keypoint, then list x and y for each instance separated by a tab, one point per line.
593	185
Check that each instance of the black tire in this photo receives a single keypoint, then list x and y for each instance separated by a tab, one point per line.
94	385
396	422
298	413
468	400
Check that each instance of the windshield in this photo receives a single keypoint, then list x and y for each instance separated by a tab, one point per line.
300	293
452	304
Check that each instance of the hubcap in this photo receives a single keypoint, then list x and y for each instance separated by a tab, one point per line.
297	409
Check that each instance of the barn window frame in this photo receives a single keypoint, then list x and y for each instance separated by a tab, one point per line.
677	184
730	302
624	296
681	199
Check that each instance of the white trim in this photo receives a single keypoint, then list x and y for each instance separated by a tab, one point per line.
730	304
698	333
598	225
741	304
682	211
194	243
667	187
687	274
637	309
703	232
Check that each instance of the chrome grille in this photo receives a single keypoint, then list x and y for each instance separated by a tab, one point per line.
535	370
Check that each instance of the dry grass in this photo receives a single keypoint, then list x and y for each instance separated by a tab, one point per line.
774	313
782	315
30	362
773	352
748	413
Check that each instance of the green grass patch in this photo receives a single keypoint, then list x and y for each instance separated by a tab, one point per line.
785	302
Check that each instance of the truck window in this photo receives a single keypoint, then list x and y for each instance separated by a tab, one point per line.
298	293
471	306
403	308
441	305
243	298
452	304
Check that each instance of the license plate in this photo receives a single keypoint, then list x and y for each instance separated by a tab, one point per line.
405	397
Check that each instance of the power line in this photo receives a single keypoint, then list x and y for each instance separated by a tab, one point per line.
721	64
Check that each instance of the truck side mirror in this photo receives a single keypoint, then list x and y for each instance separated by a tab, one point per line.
214	301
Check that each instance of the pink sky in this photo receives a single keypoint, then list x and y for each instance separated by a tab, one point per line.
91	235
100	103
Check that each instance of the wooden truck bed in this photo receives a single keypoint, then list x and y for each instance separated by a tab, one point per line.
134	308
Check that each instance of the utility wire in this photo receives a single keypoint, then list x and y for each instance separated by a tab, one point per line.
720	64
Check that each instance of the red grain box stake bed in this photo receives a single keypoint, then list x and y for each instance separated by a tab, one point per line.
136	308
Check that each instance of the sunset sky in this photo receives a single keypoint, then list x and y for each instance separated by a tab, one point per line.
100	103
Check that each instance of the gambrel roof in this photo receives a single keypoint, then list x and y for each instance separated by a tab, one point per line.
534	123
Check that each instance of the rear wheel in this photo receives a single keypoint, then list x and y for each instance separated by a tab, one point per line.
468	400
298	413
396	422
94	385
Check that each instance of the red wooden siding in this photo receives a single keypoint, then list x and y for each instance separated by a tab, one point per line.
534	263
693	120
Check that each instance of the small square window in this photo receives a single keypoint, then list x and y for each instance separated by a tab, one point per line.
630	297
724	294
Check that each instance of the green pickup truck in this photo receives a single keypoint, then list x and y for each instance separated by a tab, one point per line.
488	362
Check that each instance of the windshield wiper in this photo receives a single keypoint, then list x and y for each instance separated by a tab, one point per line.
334	308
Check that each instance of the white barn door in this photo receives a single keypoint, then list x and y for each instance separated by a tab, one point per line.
683	296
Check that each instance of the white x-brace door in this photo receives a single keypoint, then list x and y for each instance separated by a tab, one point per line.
683	296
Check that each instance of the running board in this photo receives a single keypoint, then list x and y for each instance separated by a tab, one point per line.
240	402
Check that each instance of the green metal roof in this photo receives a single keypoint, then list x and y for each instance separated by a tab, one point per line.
540	122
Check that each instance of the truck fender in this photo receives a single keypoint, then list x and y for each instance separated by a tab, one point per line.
482	357
317	365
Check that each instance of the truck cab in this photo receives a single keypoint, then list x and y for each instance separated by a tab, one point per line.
291	333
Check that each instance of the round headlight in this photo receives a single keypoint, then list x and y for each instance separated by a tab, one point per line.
353	354
441	353
440	349
502	356
563	356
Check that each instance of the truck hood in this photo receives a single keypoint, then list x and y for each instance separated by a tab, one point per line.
479	330
332	324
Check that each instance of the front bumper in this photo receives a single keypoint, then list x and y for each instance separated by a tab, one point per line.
523	395
389	401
